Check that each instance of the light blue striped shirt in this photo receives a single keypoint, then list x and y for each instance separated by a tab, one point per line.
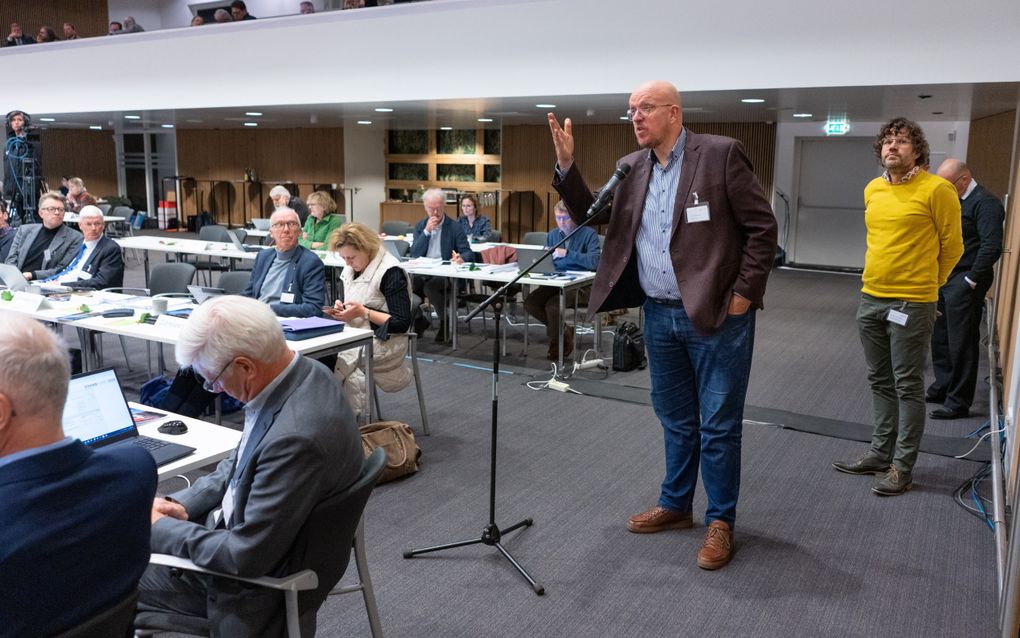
655	267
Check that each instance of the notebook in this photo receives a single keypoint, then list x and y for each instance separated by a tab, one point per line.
526	256
238	245
97	413
12	277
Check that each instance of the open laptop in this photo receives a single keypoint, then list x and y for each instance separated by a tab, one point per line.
201	293
12	277
97	413
260	223
391	247
238	245
527	256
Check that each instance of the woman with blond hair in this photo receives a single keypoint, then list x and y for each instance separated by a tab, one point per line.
77	197
322	221
377	296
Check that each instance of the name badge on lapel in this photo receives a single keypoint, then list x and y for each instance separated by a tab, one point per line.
287	297
698	212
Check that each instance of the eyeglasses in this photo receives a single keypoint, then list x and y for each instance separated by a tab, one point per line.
645	110
52	210
896	141
285	225
210	386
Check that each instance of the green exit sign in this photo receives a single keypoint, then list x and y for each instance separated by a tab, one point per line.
837	127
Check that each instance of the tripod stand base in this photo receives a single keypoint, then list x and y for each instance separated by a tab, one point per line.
491	535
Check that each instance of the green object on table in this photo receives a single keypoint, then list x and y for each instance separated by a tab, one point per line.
473	267
143	318
84	308
7	295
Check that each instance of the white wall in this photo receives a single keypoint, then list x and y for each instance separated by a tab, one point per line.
365	169
418	51
787	134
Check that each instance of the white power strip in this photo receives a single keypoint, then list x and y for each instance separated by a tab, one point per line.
559	386
591	363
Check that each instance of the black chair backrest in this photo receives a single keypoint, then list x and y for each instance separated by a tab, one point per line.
495	236
212	232
171	277
234	282
115	622
535	238
325	540
396	227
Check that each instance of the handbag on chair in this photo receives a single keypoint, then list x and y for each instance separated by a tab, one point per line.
397	439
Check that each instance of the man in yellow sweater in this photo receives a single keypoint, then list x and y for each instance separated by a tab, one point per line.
914	240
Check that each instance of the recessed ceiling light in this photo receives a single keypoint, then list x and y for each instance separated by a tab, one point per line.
383	109
96	128
485	119
802	115
445	128
167	125
546	106
47	119
251	123
253	113
132	117
752	100
624	117
366	122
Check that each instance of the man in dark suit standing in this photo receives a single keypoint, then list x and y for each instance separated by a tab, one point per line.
291	278
300	445
74	522
955	341
99	263
691	239
439	237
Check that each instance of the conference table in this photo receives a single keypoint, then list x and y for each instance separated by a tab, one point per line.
167	327
212	442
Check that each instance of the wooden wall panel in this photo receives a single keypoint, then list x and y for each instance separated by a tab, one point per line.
89	155
218	158
989	149
528	160
90	17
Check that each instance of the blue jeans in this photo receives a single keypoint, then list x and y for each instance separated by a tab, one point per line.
698	387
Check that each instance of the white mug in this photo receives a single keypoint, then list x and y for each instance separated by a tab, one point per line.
159	305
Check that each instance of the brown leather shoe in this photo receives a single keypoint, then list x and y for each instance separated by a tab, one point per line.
717	550
659	519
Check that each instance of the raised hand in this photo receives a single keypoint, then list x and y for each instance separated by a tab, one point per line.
563	141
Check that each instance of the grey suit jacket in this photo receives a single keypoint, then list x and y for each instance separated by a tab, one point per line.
305	446
62	249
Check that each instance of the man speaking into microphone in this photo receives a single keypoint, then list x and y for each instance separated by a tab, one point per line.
691	238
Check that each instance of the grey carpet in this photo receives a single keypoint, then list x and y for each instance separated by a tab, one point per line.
817	553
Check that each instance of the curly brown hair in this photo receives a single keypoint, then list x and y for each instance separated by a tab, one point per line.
910	128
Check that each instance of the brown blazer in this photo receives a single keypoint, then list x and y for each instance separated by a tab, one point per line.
732	252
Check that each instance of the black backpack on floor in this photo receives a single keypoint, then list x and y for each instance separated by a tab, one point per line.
629	348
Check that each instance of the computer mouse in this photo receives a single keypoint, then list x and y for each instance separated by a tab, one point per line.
173	427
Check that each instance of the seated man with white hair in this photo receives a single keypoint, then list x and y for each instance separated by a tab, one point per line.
283	199
291	278
300	445
100	263
74	522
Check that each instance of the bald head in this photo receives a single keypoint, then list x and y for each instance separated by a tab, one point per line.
654	109
956	173
662	90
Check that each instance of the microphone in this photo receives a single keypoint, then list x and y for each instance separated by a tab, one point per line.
605	196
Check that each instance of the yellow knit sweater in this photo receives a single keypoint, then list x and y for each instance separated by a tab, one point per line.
914	237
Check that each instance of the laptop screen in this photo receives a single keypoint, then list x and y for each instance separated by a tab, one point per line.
96	411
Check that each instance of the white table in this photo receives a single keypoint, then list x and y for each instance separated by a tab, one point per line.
176	246
74	218
212	442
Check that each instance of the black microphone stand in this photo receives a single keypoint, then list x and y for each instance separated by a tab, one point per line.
491	533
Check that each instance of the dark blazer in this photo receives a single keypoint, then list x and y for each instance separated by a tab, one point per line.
300	453
105	264
452	238
982	215
63	248
6	239
306	278
74	534
731	252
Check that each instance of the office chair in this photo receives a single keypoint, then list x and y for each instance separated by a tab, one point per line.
234	282
396	227
114	622
535	238
319	558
